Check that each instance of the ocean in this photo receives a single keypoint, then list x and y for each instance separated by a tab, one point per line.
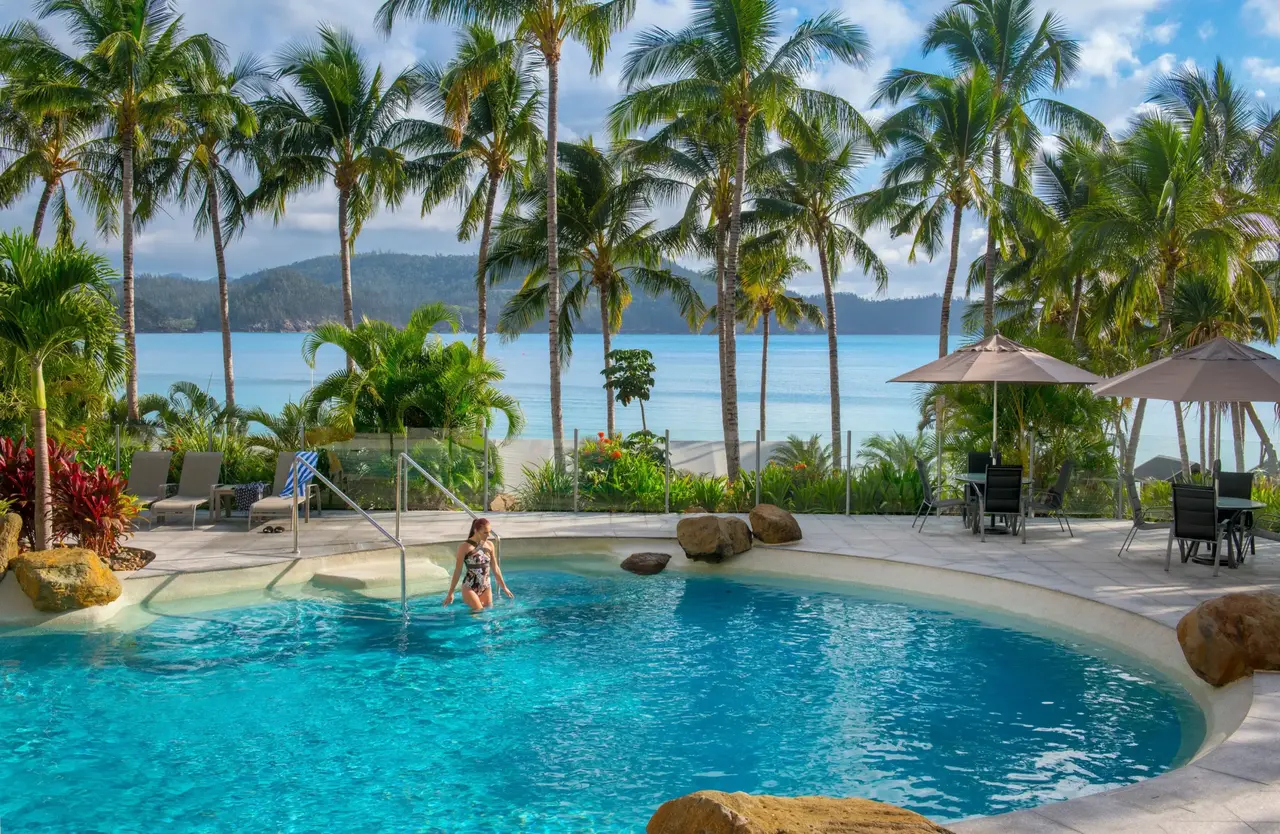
270	371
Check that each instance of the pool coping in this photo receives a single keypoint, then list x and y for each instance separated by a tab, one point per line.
1231	785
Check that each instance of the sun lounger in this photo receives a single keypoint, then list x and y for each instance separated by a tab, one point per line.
148	479
200	472
281	502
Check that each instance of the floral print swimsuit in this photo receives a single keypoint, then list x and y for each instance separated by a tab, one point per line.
477	565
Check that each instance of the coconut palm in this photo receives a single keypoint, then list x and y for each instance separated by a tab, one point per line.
134	53
408	377
1022	59
766	276
734	59
341	123
545	26
607	247
50	146
495	134
196	165
940	152
807	189
53	302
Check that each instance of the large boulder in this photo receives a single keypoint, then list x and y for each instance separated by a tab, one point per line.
1235	635
773	525
65	579
10	532
714	812
711	538
503	502
646	564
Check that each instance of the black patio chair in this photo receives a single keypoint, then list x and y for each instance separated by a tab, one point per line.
1050	501
932	503
1195	522
1238	485
1144	518
1002	497
978	463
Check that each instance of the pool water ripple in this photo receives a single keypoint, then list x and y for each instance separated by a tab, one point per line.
578	708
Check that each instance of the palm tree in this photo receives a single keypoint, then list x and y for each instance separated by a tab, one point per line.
941	142
606	247
545	26
1021	59
294	427
220	130
342	124
496	133
53	302
1158	211
731	59
807	188
406	377
134	53
49	145
766	276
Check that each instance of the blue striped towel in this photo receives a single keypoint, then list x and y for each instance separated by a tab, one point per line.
304	474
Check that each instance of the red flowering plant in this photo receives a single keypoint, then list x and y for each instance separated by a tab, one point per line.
18	481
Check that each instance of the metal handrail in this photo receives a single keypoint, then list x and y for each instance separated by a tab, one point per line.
401	493
298	460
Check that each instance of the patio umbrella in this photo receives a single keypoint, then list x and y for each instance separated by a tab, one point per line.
997	359
1218	371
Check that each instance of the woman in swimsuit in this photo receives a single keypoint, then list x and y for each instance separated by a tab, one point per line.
475	560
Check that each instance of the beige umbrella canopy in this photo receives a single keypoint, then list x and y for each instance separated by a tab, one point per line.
997	359
1218	371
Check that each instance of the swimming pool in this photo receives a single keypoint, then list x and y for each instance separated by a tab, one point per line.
580	707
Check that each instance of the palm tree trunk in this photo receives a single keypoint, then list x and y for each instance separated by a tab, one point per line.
1237	431
722	236
126	278
482	263
43	533
606	336
1181	424
1135	434
764	376
1268	450
224	309
833	362
1077	292
989	265
553	257
945	321
42	207
731	306
344	259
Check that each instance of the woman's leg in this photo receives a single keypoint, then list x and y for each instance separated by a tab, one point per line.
472	599
486	598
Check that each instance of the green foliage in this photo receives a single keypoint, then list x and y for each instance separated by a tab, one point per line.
811	457
544	488
630	374
706	491
898	450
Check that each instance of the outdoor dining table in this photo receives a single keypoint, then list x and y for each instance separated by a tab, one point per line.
976	479
1237	507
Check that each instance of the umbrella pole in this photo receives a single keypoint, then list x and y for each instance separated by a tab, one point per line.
995	399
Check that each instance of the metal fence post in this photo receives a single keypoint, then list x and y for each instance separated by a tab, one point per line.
575	470
666	491
399	477
757	467
211	440
302	437
848	472
118	432
484	453
294	504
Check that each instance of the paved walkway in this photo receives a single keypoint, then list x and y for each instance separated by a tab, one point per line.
1235	789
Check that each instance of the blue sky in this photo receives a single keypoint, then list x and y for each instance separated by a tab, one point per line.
1124	44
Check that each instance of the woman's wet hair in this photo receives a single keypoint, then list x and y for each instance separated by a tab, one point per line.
476	525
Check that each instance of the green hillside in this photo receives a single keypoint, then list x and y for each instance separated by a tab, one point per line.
388	285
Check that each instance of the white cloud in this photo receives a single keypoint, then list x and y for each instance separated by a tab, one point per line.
1260	93
1265	11
1262	70
1206	30
1163	33
1105	53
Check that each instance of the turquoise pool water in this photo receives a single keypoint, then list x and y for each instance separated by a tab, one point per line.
578	708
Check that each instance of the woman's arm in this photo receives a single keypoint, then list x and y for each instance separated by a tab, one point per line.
457	573
497	573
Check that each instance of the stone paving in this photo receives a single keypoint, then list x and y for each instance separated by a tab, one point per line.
1235	789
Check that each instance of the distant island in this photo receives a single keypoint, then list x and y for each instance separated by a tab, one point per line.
387	285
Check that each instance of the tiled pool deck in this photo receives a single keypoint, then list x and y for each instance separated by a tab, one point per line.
1235	789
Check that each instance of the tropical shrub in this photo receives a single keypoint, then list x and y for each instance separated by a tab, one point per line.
18	479
811	457
545	487
707	491
91	506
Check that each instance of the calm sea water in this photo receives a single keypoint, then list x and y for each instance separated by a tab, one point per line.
270	371
579	707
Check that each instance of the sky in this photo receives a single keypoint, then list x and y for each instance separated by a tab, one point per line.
1124	45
